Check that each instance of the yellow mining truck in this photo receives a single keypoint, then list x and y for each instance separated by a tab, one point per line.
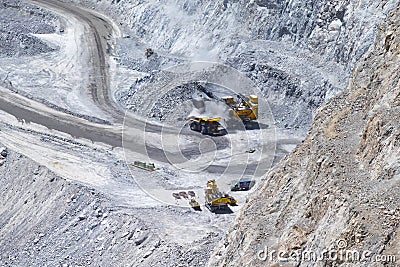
215	199
246	108
205	125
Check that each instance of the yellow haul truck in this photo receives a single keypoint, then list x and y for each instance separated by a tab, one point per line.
246	108
205	125
215	199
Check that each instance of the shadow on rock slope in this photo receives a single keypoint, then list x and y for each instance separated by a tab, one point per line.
341	184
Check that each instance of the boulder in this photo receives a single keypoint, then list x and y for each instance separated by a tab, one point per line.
3	153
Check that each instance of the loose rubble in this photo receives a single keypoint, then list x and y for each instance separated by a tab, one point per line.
16	33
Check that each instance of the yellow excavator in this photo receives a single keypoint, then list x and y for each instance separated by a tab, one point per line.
215	199
246	108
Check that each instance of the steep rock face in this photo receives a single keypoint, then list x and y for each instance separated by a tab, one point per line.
341	183
341	30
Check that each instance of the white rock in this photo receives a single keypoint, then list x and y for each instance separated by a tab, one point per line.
335	25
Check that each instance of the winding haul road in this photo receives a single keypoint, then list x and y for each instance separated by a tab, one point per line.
99	44
99	40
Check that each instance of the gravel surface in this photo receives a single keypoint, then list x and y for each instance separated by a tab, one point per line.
299	54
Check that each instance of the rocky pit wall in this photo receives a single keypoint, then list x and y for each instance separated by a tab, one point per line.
341	183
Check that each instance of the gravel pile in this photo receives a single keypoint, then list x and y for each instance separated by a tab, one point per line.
177	102
18	22
173	106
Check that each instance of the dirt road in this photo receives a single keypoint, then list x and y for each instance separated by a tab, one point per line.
99	40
